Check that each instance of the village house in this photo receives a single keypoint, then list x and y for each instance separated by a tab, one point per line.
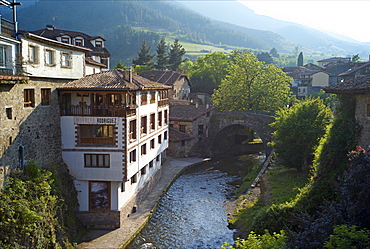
33	67
180	85
114	139
307	81
360	88
189	124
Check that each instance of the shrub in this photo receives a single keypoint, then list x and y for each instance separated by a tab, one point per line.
265	241
348	237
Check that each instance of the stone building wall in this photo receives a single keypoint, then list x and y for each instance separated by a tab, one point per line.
362	102
36	128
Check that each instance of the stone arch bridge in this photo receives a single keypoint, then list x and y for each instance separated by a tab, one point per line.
256	120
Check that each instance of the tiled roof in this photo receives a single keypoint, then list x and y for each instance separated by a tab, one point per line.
336	69
335	59
353	70
188	112
91	61
54	33
357	85
176	135
113	79
167	77
296	72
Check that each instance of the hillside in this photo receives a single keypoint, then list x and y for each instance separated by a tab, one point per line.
125	23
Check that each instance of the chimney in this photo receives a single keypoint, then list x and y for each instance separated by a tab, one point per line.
50	27
128	75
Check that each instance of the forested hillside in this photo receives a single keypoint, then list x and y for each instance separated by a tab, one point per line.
125	24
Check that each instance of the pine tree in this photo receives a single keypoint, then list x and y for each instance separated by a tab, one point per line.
144	56
300	60
162	57
175	56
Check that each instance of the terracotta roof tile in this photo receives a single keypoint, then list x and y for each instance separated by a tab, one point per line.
167	77
113	79
357	85
188	112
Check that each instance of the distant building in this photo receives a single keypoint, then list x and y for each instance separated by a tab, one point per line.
180	85
334	61
114	138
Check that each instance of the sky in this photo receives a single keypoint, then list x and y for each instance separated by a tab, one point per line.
349	18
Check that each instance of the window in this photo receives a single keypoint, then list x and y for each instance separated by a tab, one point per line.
79	42
99	195
151	163
45	96
123	188
159	119
132	156
152	97
200	129
29	97
152	144
98	44
143	170
183	143
144	98
132	129
165	117
143	125
143	149
368	110
33	54
165	135
134	179
158	158
49	57
65	39
160	139
66	60
96	134
182	128
152	121
3	56
9	113
97	160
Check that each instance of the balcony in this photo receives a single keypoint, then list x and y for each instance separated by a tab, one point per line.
6	27
93	110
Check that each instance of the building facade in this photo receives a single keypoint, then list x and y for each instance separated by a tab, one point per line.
114	139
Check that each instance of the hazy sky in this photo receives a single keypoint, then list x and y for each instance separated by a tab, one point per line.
349	18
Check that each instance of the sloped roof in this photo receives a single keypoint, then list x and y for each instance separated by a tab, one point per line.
114	79
167	77
336	59
353	70
53	33
296	72
176	135
357	85
188	112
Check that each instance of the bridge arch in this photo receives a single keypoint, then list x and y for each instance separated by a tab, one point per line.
256	120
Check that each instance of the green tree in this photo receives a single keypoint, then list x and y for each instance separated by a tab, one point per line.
300	60
162	57
141	68
274	53
252	85
208	72
144	56
28	211
120	65
348	237
175	56
265	57
256	241
355	58
298	130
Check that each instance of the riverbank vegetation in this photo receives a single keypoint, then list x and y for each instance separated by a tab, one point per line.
35	210
327	207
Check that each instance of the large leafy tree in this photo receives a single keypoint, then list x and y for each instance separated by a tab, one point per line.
162	57
145	57
175	56
208	72
298	130
266	57
252	85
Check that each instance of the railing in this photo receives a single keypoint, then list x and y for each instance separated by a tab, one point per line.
163	102
81	110
6	27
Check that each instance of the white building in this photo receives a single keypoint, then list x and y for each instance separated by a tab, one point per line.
114	136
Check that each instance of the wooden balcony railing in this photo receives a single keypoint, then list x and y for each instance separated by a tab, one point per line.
163	102
92	110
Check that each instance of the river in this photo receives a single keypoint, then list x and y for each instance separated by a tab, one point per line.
192	214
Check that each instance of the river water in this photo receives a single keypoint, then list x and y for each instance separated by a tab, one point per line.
192	214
